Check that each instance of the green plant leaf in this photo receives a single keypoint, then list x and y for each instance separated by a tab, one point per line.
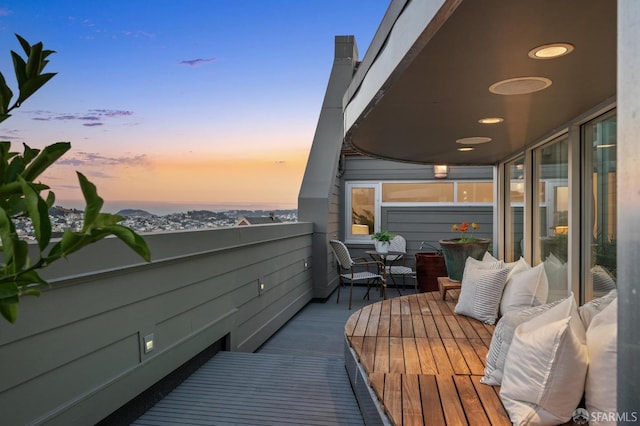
5	95
39	213
31	292
107	219
25	44
16	167
14	205
7	239
29	153
71	242
20	68
5	146
9	311
27	278
33	60
45	158
20	254
31	85
8	290
130	238
51	198
93	201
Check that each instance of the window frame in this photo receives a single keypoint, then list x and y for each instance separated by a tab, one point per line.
379	204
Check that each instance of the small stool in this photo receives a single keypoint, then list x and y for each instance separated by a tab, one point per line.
445	284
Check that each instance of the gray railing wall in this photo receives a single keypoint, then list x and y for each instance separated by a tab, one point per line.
76	353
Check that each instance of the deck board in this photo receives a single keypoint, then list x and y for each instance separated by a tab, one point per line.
427	369
252	388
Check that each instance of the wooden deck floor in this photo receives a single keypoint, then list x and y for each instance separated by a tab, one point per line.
424	363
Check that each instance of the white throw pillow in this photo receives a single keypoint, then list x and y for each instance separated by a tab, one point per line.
480	293
557	276
520	265
546	367
502	337
595	306
473	264
525	289
602	345
603	282
488	257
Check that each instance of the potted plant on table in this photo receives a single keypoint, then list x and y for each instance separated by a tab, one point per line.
382	240
429	266
457	250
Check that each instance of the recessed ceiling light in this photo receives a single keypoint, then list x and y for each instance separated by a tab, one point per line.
491	120
550	51
519	85
466	148
474	140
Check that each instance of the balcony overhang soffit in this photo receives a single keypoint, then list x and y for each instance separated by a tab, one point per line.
413	100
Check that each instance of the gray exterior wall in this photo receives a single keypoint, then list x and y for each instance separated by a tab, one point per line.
417	224
320	194
359	167
76	353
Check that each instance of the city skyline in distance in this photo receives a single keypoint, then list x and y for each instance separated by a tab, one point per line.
161	208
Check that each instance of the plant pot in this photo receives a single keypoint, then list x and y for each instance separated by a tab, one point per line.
429	266
456	253
382	246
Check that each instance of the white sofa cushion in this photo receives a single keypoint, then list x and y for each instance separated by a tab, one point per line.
525	287
502	337
595	306
602	345
546	367
603	282
481	291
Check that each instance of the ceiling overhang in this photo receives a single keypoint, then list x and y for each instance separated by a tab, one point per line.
426	85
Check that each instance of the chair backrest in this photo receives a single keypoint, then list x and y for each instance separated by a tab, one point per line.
342	254
398	243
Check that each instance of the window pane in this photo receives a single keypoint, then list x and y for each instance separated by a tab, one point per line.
552	214
515	210
362	210
478	192
600	143
417	192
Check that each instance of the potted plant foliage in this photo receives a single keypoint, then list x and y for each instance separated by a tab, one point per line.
21	195
382	239
457	250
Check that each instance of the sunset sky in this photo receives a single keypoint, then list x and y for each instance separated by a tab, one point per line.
180	105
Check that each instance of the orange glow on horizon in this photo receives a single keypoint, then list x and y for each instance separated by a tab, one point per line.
261	177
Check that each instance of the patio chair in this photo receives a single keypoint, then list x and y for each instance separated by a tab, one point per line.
395	263
347	273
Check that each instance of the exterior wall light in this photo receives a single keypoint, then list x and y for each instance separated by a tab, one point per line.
440	171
